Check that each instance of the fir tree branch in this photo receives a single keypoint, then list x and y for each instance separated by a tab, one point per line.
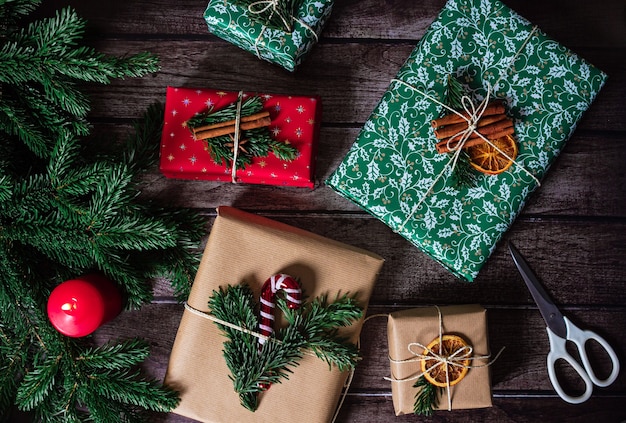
313	326
64	213
426	397
113	356
129	388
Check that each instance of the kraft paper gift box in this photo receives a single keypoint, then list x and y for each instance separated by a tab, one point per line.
243	247
294	120
235	22
394	171
421	325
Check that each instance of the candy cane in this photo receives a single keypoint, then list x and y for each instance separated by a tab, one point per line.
276	283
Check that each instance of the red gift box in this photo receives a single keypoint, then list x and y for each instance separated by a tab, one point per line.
295	119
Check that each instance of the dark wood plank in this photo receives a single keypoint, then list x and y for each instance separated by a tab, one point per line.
579	23
571	188
350	89
591	273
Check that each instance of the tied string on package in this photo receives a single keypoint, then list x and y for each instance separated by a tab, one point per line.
254	347
276	14
239	132
472	115
444	362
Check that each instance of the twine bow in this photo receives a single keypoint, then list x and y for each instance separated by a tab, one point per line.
262	6
474	113
457	359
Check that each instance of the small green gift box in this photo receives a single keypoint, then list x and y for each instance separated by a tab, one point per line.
394	170
265	30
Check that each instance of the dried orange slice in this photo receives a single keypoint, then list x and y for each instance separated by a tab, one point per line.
487	159
437	374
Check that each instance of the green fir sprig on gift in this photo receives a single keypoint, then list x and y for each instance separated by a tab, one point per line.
273	14
426	397
67	210
463	174
256	142
312	327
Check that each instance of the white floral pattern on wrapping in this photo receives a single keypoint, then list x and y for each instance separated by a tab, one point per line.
230	21
393	162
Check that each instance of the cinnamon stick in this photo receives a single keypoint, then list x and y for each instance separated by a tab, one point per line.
231	122
493	108
450	130
444	147
225	130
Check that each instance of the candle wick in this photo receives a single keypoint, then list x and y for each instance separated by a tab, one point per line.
68	307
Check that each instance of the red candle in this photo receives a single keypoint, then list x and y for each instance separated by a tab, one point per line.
80	306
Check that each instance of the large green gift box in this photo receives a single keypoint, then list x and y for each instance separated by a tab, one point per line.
242	26
394	171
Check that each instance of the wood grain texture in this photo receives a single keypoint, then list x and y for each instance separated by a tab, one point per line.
572	230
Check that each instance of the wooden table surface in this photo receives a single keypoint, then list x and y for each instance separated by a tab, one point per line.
572	230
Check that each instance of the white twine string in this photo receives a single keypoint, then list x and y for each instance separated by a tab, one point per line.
233	171
456	359
217	320
473	116
225	323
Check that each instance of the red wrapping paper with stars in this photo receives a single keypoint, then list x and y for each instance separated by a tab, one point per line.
295	119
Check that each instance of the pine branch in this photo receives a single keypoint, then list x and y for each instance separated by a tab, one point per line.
64	213
313	326
258	142
115	356
426	397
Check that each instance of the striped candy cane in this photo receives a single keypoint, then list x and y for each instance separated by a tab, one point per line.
276	283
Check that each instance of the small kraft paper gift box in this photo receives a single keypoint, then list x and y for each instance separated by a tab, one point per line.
246	248
521	95
411	331
281	32
276	144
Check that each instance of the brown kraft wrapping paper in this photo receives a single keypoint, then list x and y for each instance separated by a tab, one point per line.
243	247
422	325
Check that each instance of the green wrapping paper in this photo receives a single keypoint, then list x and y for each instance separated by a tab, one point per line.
232	22
394	171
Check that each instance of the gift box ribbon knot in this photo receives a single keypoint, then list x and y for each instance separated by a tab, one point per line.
457	358
263	6
472	115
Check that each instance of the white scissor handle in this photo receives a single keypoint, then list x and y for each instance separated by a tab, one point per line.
558	351
580	337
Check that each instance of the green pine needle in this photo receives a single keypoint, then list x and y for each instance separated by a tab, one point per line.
258	142
311	327
426	398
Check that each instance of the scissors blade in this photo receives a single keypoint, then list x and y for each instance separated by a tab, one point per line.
549	311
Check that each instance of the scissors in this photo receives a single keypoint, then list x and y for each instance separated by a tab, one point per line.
560	330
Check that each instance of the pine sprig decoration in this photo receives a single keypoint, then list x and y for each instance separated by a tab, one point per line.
67	211
313	327
426	398
258	142
277	15
463	175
